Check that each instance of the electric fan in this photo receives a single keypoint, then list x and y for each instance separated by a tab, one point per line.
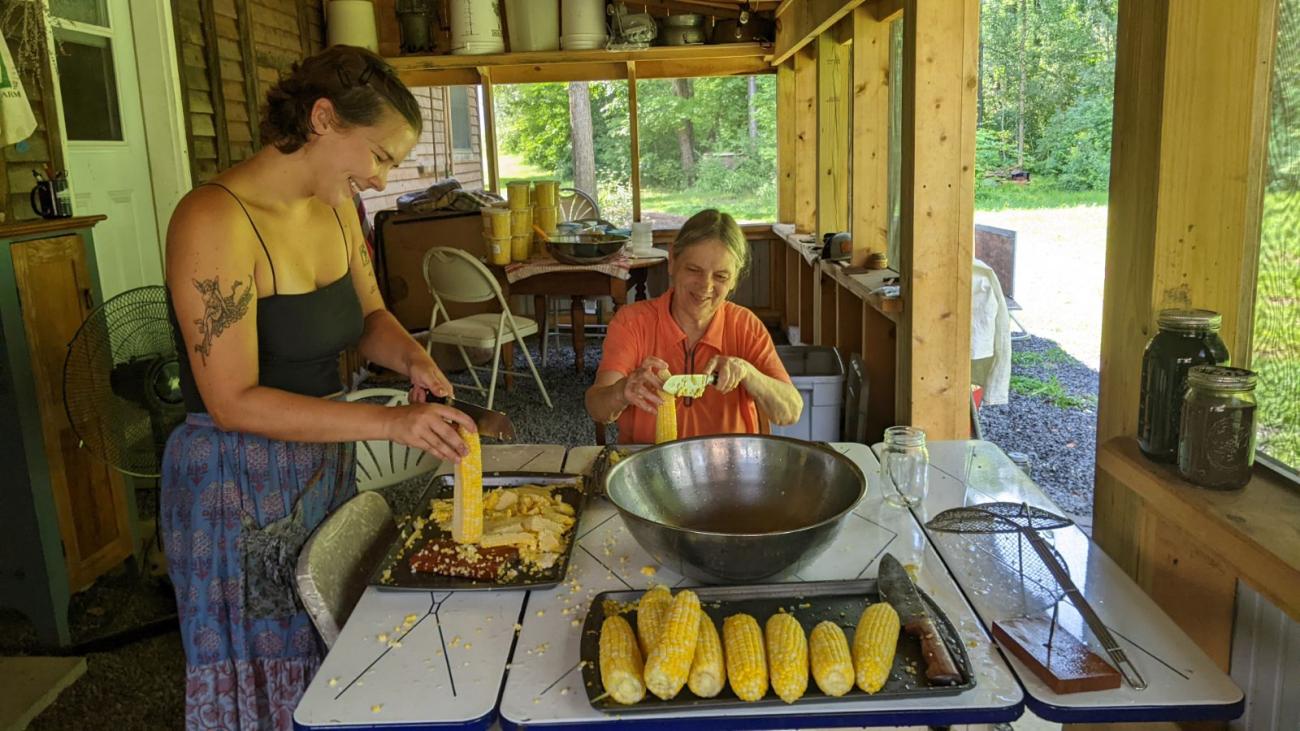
121	381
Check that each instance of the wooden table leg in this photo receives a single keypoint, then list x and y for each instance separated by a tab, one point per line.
577	314
618	292
508	363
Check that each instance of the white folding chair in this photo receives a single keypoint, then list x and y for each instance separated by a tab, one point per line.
456	276
381	463
337	559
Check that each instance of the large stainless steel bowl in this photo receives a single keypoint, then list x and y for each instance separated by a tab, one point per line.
734	508
586	247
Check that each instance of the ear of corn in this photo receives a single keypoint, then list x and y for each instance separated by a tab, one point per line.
666	419
650	615
620	661
874	643
669	664
787	656
832	665
742	642
467	501
708	673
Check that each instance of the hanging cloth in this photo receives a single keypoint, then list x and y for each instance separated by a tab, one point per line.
16	119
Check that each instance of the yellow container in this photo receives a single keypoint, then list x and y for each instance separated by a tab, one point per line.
498	249
521	222
496	222
548	192
547	218
521	247
517	192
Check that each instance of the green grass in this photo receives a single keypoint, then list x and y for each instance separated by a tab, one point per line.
752	207
510	167
1051	356
1040	192
1052	391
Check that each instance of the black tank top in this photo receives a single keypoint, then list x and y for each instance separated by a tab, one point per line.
299	336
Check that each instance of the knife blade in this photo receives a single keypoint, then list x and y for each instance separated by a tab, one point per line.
896	587
689	385
490	423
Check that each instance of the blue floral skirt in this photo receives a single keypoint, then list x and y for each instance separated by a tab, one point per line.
236	510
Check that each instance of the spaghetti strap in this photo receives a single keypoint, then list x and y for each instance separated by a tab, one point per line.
347	254
274	287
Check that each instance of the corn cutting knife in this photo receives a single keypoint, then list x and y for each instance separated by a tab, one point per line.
896	587
689	386
490	423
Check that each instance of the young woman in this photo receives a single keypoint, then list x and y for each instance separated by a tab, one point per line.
692	328
270	281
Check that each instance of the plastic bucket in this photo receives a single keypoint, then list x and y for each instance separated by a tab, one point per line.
583	17
521	222
351	22
517	192
534	25
476	27
547	217
520	247
583	42
498	249
548	192
496	221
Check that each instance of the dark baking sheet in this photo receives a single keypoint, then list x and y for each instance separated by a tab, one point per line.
443	486
600	466
841	602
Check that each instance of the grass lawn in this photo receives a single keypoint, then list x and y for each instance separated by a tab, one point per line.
752	207
1041	192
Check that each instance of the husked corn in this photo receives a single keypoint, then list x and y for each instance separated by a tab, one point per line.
742	643
832	665
787	656
666	419
669	664
708	672
620	661
650	614
874	643
467	500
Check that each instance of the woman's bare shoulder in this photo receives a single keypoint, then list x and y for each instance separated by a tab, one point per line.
208	222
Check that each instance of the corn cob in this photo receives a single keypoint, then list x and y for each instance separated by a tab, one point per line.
650	614
746	662
620	661
467	500
787	656
666	419
669	664
874	643
708	673
832	666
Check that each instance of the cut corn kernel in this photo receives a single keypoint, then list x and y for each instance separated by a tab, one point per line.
669	664
832	665
467	500
666	419
650	614
620	661
874	643
742	643
708	672
787	656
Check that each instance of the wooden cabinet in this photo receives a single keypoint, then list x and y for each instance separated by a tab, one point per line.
67	514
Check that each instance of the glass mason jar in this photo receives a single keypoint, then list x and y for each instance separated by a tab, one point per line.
1217	446
1186	338
904	466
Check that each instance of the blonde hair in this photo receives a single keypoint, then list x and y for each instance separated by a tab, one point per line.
711	224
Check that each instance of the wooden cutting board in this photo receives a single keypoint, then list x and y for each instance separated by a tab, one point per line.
1070	667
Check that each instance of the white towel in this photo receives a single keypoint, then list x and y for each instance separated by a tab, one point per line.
990	335
16	119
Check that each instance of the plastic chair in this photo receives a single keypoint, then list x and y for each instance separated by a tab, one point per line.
456	276
338	558
381	463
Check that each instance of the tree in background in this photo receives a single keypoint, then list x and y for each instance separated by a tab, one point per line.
583	138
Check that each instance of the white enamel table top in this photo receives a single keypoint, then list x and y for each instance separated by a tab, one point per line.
545	688
424	659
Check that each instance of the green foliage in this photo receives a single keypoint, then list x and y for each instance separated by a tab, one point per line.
1051	356
1052	391
1076	142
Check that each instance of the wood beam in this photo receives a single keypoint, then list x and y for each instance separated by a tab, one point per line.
786	136
834	69
941	45
805	156
634	141
802	22
489	129
884	10
870	178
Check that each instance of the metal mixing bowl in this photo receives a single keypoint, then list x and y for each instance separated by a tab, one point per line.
585	248
734	508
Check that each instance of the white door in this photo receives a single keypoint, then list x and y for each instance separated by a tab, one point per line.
107	156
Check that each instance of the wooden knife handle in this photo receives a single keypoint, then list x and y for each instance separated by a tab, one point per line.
939	666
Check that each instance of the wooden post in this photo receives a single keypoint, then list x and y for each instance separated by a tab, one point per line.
870	184
833	83
786	142
805	156
489	128
635	142
938	199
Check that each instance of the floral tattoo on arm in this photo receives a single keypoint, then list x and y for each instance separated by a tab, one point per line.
220	311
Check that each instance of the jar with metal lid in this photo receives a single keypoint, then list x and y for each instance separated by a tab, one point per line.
1187	338
1217	444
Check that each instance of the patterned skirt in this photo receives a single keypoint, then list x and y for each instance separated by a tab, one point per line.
236	510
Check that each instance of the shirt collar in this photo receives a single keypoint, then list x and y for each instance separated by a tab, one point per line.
671	332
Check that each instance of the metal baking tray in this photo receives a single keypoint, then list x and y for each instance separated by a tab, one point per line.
600	466
841	602
402	578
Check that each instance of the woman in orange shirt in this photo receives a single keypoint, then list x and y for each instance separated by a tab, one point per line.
692	328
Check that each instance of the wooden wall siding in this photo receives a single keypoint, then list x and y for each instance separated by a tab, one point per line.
36	152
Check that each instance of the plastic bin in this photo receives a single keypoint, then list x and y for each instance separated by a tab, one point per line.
818	372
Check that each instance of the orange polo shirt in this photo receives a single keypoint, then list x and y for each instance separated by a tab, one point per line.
647	328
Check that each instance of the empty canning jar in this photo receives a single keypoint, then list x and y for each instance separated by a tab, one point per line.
904	466
1187	338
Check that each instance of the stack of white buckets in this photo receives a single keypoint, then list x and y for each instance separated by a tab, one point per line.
534	25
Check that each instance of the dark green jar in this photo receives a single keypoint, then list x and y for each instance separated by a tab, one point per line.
1186	338
1217	445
